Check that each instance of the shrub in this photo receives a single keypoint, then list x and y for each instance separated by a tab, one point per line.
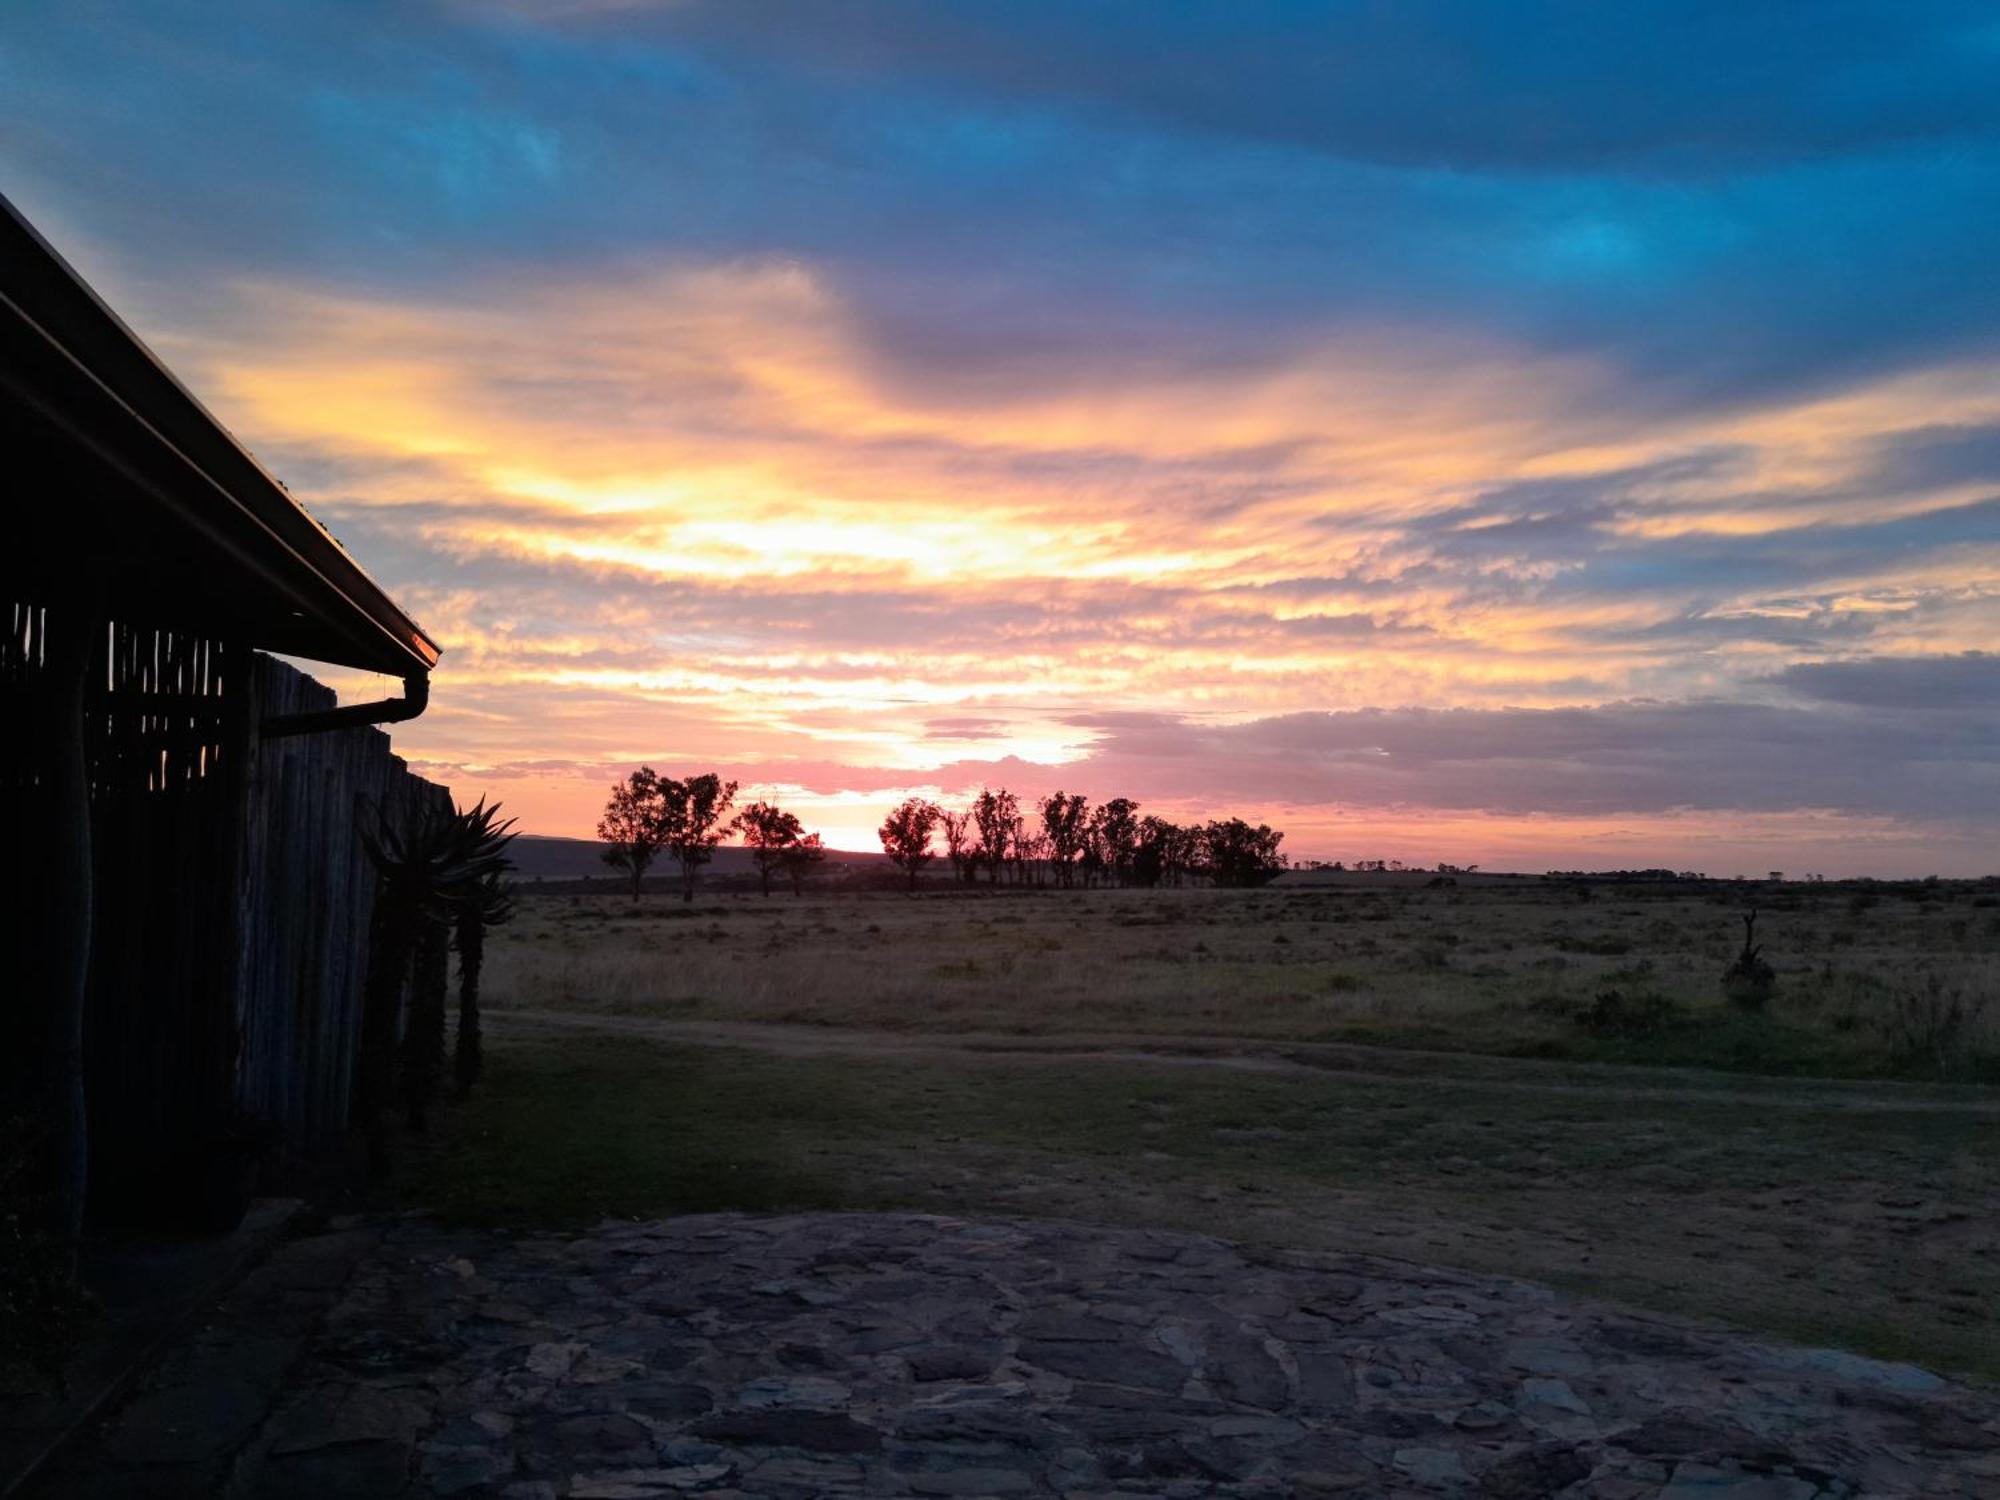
1931	1021
1749	982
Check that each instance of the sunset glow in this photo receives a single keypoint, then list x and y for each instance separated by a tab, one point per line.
860	419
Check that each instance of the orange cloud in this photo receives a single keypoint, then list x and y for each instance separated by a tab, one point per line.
699	513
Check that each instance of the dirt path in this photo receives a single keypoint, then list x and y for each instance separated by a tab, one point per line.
1303	1059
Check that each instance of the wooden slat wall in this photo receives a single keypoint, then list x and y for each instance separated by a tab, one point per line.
232	897
25	841
165	744
307	895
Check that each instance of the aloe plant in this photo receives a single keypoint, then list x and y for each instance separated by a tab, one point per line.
424	870
490	904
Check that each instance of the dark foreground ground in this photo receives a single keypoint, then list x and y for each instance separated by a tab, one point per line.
909	1354
1853	1214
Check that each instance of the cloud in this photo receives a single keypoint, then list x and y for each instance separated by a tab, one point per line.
1007	194
1968	681
1561	416
1619	758
693	498
1933	458
1674	88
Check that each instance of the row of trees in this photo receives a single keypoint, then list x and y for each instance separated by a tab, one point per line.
649	815
1072	843
1367	865
1066	840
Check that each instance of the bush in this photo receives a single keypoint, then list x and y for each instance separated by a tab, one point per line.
1749	982
1931	1022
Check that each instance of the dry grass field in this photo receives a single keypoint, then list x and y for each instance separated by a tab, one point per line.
1868	982
1414	1072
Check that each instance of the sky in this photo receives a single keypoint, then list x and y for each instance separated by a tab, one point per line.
1534	435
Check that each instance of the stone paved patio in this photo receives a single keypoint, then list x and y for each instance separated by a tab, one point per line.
902	1354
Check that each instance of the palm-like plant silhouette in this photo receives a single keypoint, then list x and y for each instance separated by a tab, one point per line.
490	903
426	868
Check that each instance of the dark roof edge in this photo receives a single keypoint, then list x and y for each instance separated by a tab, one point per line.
78	321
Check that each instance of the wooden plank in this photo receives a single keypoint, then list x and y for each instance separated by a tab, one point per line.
235	894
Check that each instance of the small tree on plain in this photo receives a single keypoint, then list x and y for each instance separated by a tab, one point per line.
769	831
1031	855
691	825
1239	855
1023	847
1065	823
1165	853
997	815
800	857
632	827
960	842
1114	836
906	836
1750	981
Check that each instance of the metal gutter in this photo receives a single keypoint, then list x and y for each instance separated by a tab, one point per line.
416	698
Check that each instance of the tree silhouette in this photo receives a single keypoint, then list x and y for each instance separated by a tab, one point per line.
1114	837
631	827
1165	853
997	815
691	823
1031	854
906	836
799	858
1023	848
1239	855
960	835
1064	824
769	832
1149	854
1110	842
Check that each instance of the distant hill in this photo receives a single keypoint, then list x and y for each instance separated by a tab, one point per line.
539	857
1376	879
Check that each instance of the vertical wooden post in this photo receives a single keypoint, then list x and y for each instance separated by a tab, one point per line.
236	739
72	653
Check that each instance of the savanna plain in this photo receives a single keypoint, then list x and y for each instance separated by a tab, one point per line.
1535	1077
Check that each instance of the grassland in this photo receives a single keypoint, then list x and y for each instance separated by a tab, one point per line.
1217	1061
1513	970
